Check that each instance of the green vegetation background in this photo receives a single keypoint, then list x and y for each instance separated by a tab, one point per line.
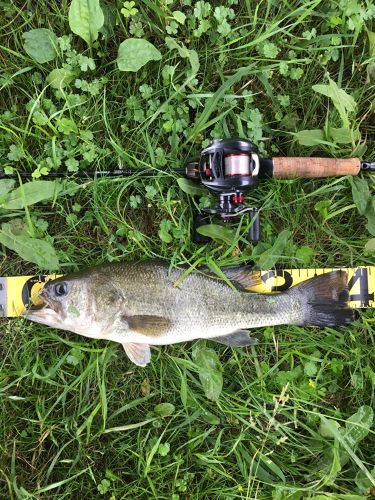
293	417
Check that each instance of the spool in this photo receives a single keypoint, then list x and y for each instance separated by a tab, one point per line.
237	164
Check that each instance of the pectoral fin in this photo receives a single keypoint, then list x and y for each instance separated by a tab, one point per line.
240	338
148	324
140	354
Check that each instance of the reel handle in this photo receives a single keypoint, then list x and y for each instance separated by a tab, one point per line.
291	167
254	231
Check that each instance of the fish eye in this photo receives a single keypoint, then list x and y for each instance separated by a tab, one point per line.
61	289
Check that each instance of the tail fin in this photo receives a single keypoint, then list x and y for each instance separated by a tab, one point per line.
324	300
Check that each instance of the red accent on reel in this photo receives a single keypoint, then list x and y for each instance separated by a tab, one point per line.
238	198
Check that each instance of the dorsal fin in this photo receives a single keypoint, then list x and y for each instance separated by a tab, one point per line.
243	277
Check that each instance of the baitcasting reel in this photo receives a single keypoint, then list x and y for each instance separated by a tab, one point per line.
228	168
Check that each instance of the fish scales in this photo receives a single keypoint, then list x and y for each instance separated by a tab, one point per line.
198	302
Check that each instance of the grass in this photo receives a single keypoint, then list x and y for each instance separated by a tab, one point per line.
77	419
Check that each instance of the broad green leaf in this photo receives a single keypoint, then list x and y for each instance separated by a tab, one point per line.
358	425
335	465
323	207
356	429
360	193
184	52
325	428
261	473
40	44
311	137
339	97
296	495
305	254
164	449
18	226
246	462
370	246
267	463
371	71
75	356
218	233
134	53
194	62
66	126
164	409
85	19
173	44
268	258
371	43
363	201
34	250
29	194
258	466
164	231
6	185
344	135
179	16
210	371
343	102
370	214
60	77
165	236
190	187
310	368
362	481
359	150
210	418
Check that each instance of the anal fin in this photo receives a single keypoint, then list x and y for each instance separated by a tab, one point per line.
240	338
140	354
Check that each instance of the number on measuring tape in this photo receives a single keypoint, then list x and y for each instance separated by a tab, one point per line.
364	296
288	279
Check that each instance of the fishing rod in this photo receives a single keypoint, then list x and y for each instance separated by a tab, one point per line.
90	174
230	168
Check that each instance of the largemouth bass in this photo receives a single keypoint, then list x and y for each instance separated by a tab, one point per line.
138	305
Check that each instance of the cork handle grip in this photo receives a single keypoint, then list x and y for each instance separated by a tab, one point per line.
289	167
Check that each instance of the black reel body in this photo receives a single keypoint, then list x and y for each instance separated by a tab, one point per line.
229	168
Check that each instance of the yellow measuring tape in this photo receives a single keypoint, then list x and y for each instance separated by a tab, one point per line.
18	292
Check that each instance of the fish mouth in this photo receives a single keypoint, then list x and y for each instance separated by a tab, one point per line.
47	301
47	312
42	314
